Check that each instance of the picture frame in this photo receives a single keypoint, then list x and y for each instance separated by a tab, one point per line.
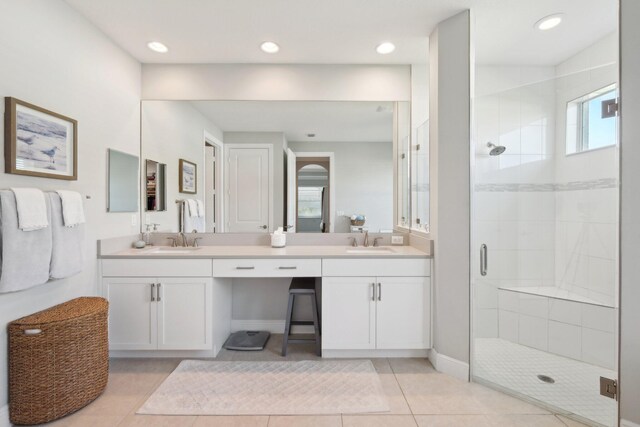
188	177
39	142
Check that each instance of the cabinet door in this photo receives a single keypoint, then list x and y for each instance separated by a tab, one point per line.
348	313
184	314
403	313
132	313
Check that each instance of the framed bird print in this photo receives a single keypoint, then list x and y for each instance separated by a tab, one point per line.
39	142
188	177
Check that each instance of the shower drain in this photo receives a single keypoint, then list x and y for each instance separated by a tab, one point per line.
546	379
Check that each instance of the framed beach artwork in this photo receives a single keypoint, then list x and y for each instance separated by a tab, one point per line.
188	177
39	142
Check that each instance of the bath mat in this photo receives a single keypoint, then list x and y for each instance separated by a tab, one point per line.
269	388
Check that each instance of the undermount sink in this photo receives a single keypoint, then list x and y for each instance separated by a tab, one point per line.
171	250
370	250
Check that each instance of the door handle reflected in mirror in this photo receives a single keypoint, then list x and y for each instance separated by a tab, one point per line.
264	227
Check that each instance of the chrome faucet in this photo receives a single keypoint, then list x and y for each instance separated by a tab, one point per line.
184	239
375	241
354	242
365	243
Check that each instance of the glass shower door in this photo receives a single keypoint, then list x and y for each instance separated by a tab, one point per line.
545	202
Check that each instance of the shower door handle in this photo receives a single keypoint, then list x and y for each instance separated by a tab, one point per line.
483	260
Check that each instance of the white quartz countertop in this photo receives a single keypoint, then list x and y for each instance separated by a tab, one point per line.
255	251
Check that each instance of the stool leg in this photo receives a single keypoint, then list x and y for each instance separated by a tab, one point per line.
316	323
287	324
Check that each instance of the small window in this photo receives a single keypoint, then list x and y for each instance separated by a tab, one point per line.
310	202
589	127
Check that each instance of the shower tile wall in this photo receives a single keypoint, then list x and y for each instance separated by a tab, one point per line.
586	217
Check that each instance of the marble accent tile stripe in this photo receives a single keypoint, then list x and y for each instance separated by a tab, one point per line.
595	184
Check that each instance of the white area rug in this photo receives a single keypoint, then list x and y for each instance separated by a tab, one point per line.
269	388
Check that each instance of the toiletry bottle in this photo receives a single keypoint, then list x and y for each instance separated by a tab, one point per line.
145	236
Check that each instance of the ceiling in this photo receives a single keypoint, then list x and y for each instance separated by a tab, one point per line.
329	121
343	31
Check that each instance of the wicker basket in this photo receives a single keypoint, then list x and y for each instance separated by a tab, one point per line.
358	223
58	360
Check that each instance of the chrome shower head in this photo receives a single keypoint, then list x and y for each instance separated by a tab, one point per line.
496	150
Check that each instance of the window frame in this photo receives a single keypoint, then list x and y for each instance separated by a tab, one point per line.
581	142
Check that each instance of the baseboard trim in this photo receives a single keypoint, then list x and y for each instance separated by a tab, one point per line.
449	365
627	423
273	326
4	416
336	354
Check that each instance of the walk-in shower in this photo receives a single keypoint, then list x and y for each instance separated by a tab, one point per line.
545	213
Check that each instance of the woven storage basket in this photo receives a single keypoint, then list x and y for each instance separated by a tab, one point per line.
63	367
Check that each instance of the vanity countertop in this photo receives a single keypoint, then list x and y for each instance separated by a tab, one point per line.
256	251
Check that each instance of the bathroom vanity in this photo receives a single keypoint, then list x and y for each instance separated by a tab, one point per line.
374	301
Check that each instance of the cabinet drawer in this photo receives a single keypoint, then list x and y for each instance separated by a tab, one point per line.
156	267
267	267
406	267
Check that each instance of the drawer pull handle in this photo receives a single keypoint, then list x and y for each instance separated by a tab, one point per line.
373	292
153	292
159	294
379	291
288	268
245	268
32	331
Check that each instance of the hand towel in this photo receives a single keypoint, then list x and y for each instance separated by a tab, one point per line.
32	209
24	256
192	207
67	255
191	223
200	205
72	209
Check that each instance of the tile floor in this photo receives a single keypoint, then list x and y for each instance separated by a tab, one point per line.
577	384
418	396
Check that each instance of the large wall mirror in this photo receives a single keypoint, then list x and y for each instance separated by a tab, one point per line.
308	167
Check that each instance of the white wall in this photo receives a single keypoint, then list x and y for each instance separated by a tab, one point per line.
279	143
276	82
449	109
173	130
629	219
364	181
52	57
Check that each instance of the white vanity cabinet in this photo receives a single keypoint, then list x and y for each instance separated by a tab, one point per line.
159	313
168	312
361	312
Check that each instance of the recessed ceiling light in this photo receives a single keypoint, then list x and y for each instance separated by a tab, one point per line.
270	47
385	48
549	22
158	47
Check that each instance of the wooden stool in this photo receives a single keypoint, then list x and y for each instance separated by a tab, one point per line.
302	286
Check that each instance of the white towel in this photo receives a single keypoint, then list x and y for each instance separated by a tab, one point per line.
200	205
67	256
191	223
32	209
25	256
72	209
192	207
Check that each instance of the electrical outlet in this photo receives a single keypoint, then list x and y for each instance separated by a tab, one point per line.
397	240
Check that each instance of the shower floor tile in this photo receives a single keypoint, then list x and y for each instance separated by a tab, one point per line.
576	389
